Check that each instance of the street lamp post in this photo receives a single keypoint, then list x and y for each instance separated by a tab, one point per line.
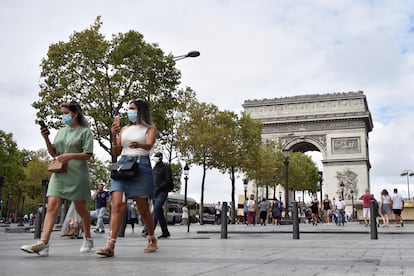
22	210
9	197
186	172
352	198
286	155
245	184
408	173
191	54
320	174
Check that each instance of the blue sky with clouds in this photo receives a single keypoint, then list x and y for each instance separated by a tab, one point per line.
249	50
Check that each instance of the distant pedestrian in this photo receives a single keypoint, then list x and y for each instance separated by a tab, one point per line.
385	207
327	207
315	210
101	198
366	213
132	214
397	207
184	216
245	210
251	210
340	210
276	212
218	212
263	211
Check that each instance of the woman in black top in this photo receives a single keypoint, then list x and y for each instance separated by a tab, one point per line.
327	206
314	209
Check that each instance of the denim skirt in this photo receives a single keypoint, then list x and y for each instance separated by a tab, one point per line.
142	185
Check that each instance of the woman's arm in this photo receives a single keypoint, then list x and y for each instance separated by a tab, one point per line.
50	148
149	141
65	157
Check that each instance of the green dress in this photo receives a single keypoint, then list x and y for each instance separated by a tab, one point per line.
74	183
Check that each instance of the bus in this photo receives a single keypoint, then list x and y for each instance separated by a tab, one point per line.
175	203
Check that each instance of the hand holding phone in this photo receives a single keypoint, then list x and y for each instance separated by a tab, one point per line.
116	125
43	126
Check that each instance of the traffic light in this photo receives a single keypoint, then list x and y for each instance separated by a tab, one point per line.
1	201
1	181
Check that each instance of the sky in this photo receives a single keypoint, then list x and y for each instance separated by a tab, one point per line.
249	50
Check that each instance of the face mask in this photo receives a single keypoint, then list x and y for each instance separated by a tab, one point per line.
67	119
156	159
132	115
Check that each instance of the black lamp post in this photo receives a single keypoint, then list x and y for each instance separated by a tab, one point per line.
22	210
186	172
9	197
45	184
245	184
352	198
408	173
320	174
286	155
191	54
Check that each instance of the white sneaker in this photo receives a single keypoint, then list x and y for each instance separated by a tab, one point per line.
87	246
40	248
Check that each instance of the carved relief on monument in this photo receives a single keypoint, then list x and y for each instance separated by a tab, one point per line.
346	145
311	126
323	106
350	181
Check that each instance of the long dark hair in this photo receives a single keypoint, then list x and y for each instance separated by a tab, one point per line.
75	108
144	115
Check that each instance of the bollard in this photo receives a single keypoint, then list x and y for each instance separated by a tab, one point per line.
373	209
39	222
295	220
224	221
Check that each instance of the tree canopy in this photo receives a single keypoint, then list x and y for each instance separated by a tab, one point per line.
103	76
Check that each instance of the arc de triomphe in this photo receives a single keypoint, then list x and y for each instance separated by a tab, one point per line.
335	124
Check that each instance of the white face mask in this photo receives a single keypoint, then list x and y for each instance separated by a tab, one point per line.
157	159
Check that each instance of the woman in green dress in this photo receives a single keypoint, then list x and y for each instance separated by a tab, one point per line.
73	145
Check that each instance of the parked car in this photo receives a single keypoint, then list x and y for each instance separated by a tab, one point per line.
94	218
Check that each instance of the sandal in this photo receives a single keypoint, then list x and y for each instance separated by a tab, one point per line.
151	245
107	251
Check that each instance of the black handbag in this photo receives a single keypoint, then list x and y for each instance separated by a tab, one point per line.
121	171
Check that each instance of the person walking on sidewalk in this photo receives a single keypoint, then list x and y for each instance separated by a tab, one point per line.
251	210
163	184
385	207
340	210
101	198
315	210
327	207
133	142
366	213
397	207
73	145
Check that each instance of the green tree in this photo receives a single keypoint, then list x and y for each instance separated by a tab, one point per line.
11	168
197	140
103	75
303	173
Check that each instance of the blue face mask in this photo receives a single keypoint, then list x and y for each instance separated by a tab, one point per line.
67	119
132	115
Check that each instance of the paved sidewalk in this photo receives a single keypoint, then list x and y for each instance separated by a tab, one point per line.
248	250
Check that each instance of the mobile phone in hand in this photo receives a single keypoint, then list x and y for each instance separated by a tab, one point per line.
43	125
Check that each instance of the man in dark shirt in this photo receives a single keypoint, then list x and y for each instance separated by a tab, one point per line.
163	178
101	198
